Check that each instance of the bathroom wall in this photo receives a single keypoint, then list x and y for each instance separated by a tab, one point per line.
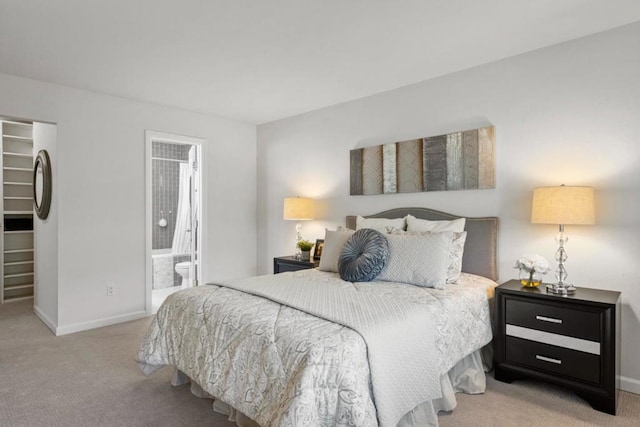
165	188
163	269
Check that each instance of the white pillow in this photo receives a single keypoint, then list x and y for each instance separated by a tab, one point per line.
333	243
415	224
418	260
454	267
380	224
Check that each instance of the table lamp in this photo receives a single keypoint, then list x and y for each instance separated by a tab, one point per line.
563	206
298	209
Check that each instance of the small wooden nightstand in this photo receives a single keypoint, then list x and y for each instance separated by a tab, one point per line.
572	341
290	263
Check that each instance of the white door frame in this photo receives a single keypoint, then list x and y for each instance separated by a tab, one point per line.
150	137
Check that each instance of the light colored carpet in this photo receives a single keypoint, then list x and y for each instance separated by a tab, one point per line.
86	379
91	379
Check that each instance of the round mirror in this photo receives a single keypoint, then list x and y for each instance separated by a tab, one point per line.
42	184
38	184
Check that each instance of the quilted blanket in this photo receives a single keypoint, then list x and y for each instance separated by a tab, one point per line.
398	333
283	366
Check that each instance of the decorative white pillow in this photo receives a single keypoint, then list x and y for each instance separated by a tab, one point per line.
415	224
418	260
380	224
333	243
454	267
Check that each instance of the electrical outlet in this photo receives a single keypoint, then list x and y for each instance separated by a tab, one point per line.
110	290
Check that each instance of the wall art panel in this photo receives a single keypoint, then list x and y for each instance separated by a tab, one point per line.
356	172
455	175
389	169
486	158
456	161
372	170
435	163
470	156
409	166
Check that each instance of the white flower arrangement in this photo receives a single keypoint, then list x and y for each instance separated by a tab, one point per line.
533	263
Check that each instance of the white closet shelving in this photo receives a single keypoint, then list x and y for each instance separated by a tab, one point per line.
16	239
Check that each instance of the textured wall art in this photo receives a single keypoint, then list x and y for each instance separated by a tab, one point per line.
456	161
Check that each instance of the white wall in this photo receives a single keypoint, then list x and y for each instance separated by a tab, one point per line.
565	114
101	200
45	301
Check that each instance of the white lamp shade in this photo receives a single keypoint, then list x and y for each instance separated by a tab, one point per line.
563	205
298	208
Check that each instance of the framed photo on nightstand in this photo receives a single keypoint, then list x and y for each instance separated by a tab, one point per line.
319	246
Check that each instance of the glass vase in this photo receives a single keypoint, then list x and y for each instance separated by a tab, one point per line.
530	279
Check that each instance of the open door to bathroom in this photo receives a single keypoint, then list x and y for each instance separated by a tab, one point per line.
173	215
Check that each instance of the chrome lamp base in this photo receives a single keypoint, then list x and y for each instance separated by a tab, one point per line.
298	254
557	289
561	288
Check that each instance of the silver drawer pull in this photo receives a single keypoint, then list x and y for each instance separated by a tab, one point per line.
548	359
548	319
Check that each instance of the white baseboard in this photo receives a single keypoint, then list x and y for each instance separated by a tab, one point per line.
45	319
630	384
99	323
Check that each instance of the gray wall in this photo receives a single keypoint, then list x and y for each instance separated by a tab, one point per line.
564	114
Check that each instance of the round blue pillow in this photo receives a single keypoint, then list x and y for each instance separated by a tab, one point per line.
364	256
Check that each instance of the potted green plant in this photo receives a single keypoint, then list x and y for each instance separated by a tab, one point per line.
305	247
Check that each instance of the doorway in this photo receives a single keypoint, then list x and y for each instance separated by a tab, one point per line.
173	215
29	244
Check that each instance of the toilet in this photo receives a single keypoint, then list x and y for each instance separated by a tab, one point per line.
182	268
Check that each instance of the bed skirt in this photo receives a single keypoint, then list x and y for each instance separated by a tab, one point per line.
467	376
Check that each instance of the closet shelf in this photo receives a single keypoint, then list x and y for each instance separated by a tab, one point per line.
18	169
11	122
18	263
18	251
17	281
18	183
25	286
18	212
10	153
12	276
17	299
18	138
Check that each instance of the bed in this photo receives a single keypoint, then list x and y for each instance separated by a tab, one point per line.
269	352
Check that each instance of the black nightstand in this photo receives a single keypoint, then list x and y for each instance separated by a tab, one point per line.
290	263
572	341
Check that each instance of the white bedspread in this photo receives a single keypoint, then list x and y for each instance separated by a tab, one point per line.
281	366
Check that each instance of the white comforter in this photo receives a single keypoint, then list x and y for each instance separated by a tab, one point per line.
281	366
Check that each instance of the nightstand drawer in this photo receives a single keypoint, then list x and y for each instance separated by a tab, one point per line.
283	267
557	320
558	360
291	263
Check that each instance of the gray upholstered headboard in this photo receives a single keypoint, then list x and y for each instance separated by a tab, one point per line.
480	249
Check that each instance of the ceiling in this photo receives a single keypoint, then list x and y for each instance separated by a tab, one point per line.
263	60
